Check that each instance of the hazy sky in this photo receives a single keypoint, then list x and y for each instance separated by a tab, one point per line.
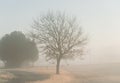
100	19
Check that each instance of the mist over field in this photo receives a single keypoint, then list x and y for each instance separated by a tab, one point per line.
60	41
99	19
96	73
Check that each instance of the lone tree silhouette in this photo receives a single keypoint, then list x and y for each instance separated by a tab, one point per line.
59	36
16	49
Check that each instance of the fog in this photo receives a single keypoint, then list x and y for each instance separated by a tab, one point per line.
99	20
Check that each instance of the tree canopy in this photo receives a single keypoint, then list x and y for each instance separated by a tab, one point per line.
16	49
60	36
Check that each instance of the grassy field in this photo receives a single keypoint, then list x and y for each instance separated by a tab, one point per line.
99	73
35	75
105	73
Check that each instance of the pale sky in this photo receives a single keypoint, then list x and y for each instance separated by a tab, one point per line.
100	19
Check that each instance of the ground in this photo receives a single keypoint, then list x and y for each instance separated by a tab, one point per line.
105	73
35	75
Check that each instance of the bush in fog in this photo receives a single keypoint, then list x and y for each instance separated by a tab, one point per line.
16	49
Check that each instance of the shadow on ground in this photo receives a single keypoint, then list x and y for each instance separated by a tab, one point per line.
24	76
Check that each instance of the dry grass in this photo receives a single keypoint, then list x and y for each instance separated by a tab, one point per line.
37	75
64	77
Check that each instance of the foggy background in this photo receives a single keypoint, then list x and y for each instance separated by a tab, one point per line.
100	20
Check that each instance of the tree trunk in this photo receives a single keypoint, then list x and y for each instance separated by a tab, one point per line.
58	66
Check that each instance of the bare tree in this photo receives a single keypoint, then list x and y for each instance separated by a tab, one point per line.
60	36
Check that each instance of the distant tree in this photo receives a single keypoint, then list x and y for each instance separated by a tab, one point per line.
16	49
60	37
